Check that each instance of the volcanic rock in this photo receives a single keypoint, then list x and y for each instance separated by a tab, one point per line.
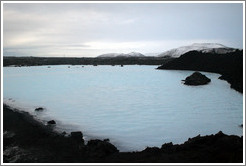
77	136
101	148
51	122
39	109
196	79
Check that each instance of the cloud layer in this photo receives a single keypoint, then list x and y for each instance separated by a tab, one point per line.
82	29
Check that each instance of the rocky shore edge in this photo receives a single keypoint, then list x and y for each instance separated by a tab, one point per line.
25	140
229	65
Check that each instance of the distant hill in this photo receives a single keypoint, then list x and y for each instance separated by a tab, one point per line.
213	48
112	55
119	60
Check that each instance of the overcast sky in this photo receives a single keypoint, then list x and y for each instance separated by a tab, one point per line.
88	30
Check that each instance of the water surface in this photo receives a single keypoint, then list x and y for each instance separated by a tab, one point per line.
133	106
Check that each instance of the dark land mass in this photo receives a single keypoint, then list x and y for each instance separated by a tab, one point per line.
229	65
26	140
37	61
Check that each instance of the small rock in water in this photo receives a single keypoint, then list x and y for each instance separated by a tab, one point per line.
39	109
196	79
106	140
51	122
241	125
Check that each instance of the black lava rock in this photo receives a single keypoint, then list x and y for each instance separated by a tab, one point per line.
167	145
39	109
51	122
101	148
77	136
196	79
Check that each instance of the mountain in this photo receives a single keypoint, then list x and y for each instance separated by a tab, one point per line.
201	47
111	55
152	54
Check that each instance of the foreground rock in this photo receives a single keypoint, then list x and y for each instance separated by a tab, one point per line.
98	148
34	142
218	148
196	79
78	137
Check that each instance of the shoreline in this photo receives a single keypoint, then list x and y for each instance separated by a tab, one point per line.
230	65
35	142
40	61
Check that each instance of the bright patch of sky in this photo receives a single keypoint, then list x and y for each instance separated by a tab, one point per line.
91	29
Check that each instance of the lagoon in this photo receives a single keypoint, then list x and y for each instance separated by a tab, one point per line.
134	106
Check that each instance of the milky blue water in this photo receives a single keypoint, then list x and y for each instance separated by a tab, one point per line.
133	106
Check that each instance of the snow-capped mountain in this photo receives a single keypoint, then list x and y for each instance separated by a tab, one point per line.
131	54
152	54
203	47
134	54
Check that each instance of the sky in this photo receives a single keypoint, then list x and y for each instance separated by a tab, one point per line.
92	29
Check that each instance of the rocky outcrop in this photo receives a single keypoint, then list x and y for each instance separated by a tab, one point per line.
51	122
218	148
197	79
77	136
229	65
98	148
39	109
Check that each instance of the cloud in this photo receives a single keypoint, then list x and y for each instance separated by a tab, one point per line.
94	28
128	21
101	47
